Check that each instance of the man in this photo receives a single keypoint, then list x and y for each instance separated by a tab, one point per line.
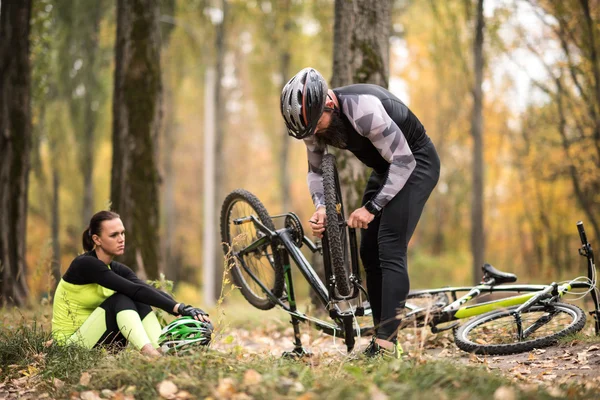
386	136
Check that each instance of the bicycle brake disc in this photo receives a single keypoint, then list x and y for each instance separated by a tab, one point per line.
292	223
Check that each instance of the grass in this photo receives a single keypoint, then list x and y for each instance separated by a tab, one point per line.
28	358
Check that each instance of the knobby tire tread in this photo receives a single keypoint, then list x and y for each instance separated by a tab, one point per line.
333	229
262	214
518	347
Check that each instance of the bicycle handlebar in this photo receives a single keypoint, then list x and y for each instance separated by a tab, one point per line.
582	234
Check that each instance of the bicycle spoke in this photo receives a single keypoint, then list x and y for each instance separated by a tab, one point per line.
260	262
534	324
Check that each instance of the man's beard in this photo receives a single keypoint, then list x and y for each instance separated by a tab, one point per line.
336	134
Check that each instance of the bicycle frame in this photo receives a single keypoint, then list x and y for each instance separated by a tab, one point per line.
283	242
535	294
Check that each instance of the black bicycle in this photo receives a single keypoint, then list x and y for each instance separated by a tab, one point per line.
259	260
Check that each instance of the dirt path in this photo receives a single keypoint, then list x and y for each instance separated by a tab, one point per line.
552	366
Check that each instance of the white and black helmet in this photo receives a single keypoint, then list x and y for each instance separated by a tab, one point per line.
302	102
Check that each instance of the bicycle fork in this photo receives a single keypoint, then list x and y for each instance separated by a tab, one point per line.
549	292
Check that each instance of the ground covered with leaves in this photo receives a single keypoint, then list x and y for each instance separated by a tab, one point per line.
245	363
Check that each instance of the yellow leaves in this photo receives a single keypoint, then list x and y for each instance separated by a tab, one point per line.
85	378
167	389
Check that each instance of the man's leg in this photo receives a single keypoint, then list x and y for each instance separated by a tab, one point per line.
398	222
369	252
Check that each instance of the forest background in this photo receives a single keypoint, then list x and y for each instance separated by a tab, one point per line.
540	139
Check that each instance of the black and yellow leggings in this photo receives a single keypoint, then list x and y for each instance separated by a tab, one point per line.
117	321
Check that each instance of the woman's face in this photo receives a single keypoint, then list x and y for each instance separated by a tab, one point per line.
112	237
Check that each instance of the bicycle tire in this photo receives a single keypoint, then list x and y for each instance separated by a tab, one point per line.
465	342
334	207
265	262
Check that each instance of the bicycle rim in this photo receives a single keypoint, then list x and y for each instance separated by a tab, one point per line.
497	333
264	264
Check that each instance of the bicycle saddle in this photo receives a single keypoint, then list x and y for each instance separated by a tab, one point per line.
499	277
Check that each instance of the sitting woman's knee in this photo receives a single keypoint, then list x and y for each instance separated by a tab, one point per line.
118	302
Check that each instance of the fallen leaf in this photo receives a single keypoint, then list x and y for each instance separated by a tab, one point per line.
58	383
90	395
505	393
531	357
85	378
593	348
556	392
130	390
306	396
252	377
167	389
582	358
241	396
474	358
183	395
107	393
48	343
226	388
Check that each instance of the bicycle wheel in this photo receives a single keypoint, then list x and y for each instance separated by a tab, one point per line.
264	263
496	332
336	230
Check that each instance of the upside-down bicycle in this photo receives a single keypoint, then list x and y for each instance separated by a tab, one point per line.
259	261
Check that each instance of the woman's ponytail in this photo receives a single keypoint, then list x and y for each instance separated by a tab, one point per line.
86	240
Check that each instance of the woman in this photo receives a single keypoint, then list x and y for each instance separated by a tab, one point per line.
99	301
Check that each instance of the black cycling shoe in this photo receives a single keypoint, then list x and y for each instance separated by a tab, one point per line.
374	350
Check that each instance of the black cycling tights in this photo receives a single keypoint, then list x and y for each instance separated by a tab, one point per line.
117	321
384	243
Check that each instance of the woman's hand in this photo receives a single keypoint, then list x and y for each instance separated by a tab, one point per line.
360	218
317	222
189	311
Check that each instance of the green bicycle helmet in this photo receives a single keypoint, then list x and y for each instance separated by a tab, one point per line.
183	334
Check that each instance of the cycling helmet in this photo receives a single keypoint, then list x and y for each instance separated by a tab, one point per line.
183	334
302	102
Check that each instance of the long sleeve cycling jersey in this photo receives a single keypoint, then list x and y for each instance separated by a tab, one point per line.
383	133
88	282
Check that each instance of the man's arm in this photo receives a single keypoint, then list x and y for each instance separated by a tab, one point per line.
315	175
369	118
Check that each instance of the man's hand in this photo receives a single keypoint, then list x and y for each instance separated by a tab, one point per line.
360	218
189	311
317	222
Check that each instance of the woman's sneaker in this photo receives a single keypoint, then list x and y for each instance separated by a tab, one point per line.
374	350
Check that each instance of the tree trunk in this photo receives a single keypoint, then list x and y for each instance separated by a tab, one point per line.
171	269
220	117
92	85
55	264
360	55
15	145
477	208
136	121
284	177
